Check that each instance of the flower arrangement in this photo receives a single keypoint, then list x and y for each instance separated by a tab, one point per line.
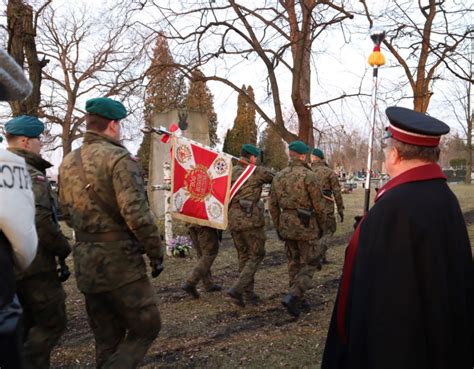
181	246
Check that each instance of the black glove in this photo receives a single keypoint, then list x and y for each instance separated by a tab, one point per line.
357	219
63	271
341	216
156	268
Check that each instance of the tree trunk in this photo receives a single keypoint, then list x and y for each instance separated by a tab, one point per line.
301	51
21	45
67	143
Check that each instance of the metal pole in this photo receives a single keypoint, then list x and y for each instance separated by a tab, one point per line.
376	59
371	141
163	131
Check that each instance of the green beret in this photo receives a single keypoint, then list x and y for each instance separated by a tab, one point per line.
25	125
107	108
298	146
251	149
318	152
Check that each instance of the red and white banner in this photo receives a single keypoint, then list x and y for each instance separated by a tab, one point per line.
200	186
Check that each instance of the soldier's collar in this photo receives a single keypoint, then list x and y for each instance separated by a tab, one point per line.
32	159
91	136
298	162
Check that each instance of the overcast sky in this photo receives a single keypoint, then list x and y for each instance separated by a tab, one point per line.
342	67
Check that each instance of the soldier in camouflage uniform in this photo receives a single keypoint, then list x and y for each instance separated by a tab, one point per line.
247	224
102	191
298	215
206	242
38	287
331	191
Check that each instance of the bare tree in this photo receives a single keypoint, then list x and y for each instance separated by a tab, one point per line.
277	35
460	100
22	21
422	36
92	54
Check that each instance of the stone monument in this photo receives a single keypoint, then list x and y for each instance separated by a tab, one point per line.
198	130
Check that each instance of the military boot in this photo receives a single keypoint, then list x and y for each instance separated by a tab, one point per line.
252	298
291	304
236	297
190	290
305	305
214	288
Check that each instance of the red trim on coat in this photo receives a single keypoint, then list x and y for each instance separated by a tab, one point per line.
421	173
346	282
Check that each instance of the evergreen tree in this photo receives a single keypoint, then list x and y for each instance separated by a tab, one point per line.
227	140
143	152
244	129
201	99
165	91
274	150
250	126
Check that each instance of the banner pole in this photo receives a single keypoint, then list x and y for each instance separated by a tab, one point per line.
163	131
376	59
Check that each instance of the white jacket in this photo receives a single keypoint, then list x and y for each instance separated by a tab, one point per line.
17	208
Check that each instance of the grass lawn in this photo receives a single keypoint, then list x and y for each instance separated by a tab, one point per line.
213	333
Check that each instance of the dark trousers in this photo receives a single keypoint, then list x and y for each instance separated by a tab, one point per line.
10	356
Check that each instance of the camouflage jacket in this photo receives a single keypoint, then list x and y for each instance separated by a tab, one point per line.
239	218
116	178
295	187
328	181
51	242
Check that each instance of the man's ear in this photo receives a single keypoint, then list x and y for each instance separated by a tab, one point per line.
113	125
394	156
24	142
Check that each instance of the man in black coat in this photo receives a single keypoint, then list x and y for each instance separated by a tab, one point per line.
406	295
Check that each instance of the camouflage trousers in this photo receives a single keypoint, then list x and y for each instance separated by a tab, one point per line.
330	225
304	258
125	322
250	246
44	317
206	243
324	242
329	228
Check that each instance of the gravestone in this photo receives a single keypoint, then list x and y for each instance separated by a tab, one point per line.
198	130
